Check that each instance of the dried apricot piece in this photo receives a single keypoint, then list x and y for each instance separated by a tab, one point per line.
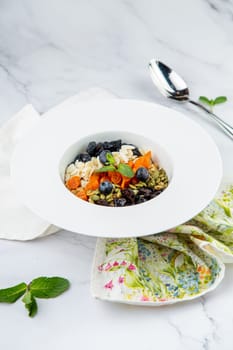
93	183
125	182
73	182
143	161
115	177
81	194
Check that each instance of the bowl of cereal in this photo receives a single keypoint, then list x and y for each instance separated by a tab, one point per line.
116	168
116	173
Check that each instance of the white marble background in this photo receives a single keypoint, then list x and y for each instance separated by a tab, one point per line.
50	50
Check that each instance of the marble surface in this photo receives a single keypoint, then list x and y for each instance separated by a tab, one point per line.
50	50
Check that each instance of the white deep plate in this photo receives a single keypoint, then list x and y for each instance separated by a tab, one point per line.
182	147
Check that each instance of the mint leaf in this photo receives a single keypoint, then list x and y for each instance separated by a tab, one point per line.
213	102
10	295
125	170
110	158
32	308
30	304
220	99
27	298
105	169
205	100
48	287
42	287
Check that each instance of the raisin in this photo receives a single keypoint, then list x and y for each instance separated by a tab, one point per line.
129	195
91	148
102	202
83	157
120	202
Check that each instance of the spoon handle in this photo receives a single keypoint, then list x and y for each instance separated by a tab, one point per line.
228	129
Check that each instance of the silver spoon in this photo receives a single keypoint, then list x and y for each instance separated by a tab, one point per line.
171	85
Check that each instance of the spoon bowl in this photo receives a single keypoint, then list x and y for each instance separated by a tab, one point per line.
171	85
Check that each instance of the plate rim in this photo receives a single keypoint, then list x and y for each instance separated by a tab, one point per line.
122	102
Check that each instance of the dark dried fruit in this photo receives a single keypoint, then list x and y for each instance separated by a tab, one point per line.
146	192
94	149
155	193
91	148
136	152
106	145
119	202
99	148
83	157
102	202
140	199
114	146
129	195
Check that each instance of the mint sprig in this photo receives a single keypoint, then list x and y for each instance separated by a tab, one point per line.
122	168
212	102
41	287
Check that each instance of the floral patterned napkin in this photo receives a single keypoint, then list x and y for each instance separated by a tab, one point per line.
182	264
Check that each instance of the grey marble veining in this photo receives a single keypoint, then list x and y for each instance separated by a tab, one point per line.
50	50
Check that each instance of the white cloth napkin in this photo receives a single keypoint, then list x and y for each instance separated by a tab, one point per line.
16	221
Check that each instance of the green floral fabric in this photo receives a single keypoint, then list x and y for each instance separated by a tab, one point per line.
181	264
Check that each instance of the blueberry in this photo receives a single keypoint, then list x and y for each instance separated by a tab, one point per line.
120	202
142	174
91	147
83	157
106	187
103	157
